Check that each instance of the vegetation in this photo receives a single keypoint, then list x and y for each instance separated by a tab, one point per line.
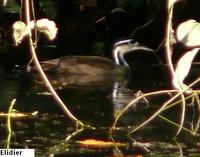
185	33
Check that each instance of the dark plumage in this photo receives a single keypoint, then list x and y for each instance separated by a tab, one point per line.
92	69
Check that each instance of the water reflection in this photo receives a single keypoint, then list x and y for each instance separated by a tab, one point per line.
93	103
12	85
86	95
96	103
122	95
100	98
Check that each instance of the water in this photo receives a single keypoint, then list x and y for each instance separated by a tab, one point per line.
96	105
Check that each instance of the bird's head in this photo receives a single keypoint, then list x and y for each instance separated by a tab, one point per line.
125	46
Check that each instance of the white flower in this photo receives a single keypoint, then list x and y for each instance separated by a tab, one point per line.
20	31
42	25
48	27
4	2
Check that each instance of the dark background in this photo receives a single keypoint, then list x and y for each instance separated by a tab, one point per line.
90	27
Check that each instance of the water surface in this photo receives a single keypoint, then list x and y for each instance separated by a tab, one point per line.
96	105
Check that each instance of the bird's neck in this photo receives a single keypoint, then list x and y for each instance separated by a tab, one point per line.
119	57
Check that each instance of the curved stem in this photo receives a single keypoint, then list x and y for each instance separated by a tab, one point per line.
136	100
161	109
50	88
9	116
168	42
9	128
169	53
182	114
41	72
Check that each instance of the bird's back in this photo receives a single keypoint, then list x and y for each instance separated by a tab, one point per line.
87	65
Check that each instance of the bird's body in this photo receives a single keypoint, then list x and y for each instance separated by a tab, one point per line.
80	65
92	69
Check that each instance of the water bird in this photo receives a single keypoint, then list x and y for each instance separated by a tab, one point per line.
92	69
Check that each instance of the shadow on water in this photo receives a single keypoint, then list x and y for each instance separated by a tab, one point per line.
95	104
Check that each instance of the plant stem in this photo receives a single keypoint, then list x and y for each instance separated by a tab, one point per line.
41	72
9	115
169	53
168	42
175	124
180	92
135	101
9	128
164	107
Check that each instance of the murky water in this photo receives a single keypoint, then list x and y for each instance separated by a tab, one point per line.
95	105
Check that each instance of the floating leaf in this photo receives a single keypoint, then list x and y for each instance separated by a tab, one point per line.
100	144
20	31
183	68
188	33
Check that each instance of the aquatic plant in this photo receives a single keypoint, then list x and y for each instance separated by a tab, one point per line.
188	34
24	29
